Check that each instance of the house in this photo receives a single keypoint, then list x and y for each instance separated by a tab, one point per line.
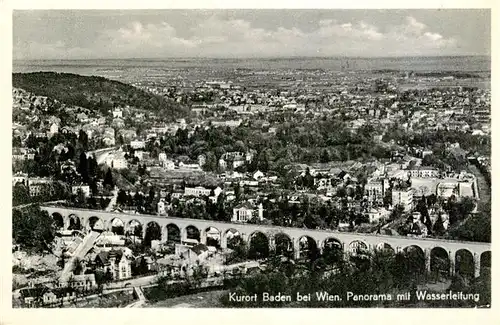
403	197
375	190
447	189
375	215
58	295
197	191
192	253
161	207
20	178
189	166
257	175
84	188
54	128
117	112
222	164
138	144
109	239
118	122
82	117
139	154
33	294
344	176
168	164
116	262
202	159
40	185
108	140
116	160
245	212
80	282
417	228
423	172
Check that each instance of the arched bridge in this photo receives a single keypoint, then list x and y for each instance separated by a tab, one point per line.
350	243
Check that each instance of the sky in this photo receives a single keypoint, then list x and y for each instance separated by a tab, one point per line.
120	34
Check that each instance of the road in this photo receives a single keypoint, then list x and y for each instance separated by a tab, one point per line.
484	189
140	295
101	154
136	282
41	203
112	203
79	254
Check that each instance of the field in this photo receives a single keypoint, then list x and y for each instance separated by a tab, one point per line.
208	299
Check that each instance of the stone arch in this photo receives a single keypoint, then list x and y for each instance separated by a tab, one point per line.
258	245
211	236
440	261
231	238
464	262
95	223
152	232
485	263
385	247
307	248
58	220
333	250
134	228
74	222
117	226
173	234
358	247
414	259
283	244
191	232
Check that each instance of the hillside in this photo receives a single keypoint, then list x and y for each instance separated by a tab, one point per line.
94	92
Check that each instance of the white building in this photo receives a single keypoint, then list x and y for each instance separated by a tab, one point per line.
246	212
447	189
54	128
375	215
168	164
116	160
117	113
403	197
85	189
375	190
424	172
138	144
139	154
197	191
162	207
37	185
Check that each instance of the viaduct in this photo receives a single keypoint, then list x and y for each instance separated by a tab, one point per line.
455	251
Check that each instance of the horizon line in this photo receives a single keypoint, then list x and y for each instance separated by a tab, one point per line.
261	57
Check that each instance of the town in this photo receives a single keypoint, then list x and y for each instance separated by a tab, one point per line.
353	163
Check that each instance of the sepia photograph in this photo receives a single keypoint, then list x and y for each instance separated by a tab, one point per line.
251	158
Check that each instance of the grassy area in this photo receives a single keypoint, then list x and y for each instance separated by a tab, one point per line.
209	299
112	300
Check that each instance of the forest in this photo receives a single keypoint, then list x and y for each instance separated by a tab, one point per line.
94	92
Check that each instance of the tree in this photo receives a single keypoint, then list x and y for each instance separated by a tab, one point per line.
33	229
438	228
108	179
20	194
397	212
325	156
122	197
83	167
199	272
83	140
